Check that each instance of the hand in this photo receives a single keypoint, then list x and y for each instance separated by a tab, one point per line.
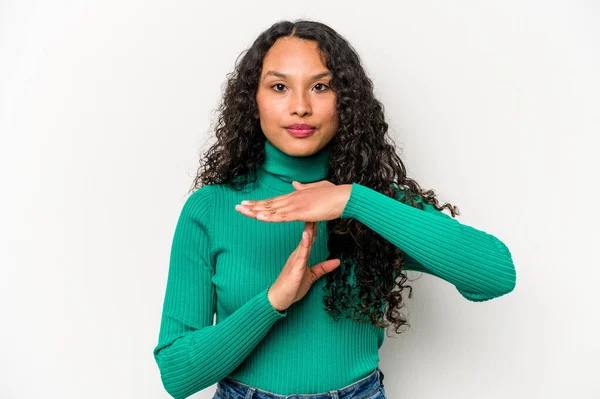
313	202
296	278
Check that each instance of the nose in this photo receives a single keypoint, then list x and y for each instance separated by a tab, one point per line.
300	103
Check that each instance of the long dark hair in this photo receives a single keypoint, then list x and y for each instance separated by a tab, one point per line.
361	152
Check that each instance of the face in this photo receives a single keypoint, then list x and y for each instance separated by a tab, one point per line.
294	87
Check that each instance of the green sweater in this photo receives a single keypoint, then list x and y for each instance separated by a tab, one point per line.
224	262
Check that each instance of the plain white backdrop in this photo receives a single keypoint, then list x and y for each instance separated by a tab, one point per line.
106	106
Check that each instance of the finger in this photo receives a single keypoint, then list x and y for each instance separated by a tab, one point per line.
268	206
244	210
279	214
311	237
302	248
266	216
306	243
266	201
303	240
325	267
309	234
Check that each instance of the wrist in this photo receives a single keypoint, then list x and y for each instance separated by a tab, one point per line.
274	303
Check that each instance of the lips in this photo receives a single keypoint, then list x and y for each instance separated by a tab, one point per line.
300	133
300	129
300	126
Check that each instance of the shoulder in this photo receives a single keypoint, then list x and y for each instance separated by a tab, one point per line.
199	203
202	195
209	197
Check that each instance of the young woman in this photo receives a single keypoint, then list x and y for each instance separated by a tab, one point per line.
300	226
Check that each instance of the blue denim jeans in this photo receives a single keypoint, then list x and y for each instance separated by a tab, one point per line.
369	387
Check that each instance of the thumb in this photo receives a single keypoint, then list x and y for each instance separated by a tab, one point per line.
325	267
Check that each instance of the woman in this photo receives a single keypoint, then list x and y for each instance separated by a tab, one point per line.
303	139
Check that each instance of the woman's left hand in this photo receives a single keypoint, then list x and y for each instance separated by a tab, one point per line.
312	202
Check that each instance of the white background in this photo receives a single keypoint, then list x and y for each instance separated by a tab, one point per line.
107	105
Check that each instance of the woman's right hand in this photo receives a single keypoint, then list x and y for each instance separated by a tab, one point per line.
296	278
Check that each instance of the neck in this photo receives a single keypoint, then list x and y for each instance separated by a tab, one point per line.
280	169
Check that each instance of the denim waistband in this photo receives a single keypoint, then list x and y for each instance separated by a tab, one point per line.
361	389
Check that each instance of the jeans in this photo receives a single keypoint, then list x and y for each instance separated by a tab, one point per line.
369	387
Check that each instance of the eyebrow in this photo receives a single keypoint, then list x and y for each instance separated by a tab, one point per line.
284	76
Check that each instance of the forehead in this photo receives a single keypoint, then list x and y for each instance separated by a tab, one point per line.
293	55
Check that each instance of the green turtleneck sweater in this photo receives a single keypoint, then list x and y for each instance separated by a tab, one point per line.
224	262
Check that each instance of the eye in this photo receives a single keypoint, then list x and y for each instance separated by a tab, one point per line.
325	87
277	84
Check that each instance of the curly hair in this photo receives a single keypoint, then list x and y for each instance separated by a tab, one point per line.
361	152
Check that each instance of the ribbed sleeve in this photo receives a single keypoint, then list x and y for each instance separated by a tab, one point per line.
192	353
478	264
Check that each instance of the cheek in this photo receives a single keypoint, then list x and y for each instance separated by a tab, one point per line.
327	104
328	111
270	111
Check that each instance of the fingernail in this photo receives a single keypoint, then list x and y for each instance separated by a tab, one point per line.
246	202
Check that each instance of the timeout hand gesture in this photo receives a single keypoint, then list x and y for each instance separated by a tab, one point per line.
310	203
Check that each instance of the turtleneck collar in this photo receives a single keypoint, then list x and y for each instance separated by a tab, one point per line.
280	169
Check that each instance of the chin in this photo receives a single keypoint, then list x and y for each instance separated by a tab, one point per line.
303	147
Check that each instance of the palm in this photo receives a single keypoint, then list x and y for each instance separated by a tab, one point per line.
307	281
297	277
